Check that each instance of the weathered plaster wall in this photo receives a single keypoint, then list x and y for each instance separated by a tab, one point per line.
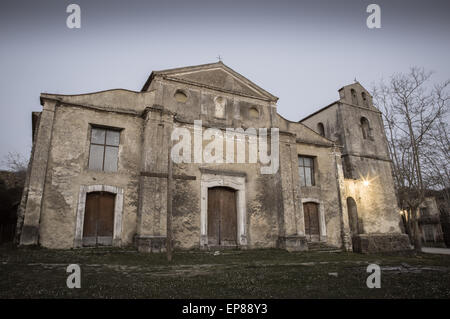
325	191
113	100
68	169
329	118
261	192
355	144
200	105
29	232
376	202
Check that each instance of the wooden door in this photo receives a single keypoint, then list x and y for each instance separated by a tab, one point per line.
222	217
311	213
98	219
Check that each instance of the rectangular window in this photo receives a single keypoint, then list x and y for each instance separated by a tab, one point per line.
306	170
104	151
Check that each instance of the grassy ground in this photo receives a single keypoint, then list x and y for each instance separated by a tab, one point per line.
124	273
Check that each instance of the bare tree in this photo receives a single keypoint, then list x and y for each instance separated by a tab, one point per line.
15	162
437	160
413	112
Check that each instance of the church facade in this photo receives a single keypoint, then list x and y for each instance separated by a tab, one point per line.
241	175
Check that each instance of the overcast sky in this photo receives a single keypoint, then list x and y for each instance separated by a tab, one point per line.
300	51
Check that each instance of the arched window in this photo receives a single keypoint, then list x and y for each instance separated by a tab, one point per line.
364	98
365	128
354	97
321	129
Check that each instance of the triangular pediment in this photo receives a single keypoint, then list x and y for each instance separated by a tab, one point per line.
215	76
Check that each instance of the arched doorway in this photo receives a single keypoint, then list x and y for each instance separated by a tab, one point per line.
352	216
98	227
222	217
312	226
355	223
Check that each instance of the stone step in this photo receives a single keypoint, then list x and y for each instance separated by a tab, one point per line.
322	247
222	247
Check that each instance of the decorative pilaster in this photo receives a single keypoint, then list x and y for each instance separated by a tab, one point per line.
345	226
30	228
152	214
293	237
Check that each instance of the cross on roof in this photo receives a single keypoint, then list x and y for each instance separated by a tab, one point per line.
219	58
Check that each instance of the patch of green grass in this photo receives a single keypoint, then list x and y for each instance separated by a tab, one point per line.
263	273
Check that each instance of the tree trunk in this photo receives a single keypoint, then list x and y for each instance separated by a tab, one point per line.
417	237
410	226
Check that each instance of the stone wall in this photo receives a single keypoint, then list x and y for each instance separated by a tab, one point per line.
374	243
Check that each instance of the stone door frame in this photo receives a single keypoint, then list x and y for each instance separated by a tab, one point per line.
118	212
322	223
234	182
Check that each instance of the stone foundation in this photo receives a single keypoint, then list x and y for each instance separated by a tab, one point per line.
29	235
372	243
151	244
293	243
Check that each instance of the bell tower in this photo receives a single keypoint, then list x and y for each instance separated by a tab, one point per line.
361	131
370	202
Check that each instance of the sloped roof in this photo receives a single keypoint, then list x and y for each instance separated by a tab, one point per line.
214	75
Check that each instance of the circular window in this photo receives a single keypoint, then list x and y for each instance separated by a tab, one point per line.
253	113
180	96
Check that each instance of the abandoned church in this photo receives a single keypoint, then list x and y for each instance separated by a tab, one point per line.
101	163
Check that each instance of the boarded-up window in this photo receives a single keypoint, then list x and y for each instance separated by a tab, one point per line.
253	113
104	150
306	170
